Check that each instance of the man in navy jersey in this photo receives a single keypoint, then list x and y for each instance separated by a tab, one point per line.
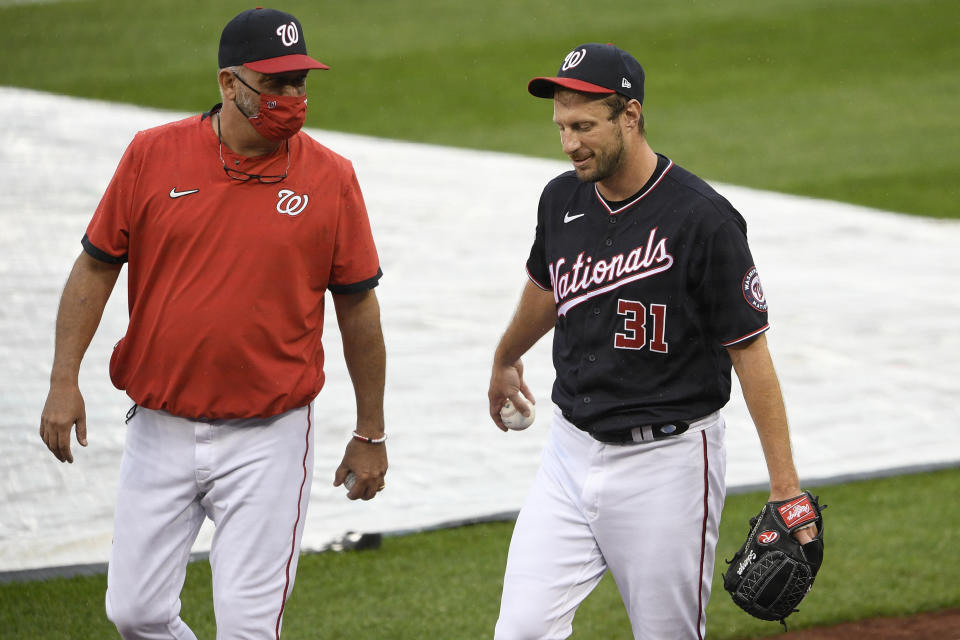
644	273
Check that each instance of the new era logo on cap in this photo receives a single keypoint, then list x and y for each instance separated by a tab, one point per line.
594	68
265	40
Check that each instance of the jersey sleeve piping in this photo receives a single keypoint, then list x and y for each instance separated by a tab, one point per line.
749	336
537	282
357	287
99	254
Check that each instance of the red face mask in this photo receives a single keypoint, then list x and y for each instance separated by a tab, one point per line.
279	117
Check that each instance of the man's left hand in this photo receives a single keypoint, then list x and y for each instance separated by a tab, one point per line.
368	463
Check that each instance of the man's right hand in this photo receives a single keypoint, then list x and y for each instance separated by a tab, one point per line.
535	316
63	409
81	305
506	382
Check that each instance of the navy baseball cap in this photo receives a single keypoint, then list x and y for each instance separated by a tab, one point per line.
267	41
594	68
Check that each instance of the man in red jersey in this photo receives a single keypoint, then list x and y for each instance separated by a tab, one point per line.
234	224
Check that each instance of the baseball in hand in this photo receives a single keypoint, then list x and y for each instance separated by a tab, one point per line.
350	480
513	419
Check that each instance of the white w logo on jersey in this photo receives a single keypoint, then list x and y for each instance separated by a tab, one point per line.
291	204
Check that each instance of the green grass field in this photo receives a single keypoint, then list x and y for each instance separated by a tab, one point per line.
852	100
890	550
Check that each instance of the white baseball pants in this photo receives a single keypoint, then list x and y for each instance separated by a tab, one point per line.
649	512
252	478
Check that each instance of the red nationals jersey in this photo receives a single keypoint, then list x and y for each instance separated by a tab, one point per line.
227	278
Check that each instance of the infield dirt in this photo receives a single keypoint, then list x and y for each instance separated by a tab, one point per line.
934	625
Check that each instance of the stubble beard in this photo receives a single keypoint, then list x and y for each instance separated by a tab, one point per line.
606	162
247	103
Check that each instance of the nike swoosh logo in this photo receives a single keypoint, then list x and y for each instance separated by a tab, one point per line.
569	218
177	194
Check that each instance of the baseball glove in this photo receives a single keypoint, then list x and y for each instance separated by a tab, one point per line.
772	572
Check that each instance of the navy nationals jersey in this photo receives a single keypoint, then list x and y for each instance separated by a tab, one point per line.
649	293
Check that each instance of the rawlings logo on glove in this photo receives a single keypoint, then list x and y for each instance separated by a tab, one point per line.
797	511
772	572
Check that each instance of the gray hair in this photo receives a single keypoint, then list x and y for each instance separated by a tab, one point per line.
234	69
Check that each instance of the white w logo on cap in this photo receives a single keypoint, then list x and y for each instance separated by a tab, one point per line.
288	34
573	59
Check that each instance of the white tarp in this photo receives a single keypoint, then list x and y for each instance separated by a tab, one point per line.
864	307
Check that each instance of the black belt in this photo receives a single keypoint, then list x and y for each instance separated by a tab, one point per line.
625	436
659	431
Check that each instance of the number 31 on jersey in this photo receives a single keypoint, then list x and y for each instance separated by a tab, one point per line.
634	334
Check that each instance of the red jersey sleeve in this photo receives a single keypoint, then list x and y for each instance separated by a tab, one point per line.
356	265
108	234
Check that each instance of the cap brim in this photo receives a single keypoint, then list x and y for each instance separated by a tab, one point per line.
544	87
295	62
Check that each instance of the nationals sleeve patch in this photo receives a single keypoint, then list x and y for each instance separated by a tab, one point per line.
752	291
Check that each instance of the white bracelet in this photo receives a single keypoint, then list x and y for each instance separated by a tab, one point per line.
370	440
